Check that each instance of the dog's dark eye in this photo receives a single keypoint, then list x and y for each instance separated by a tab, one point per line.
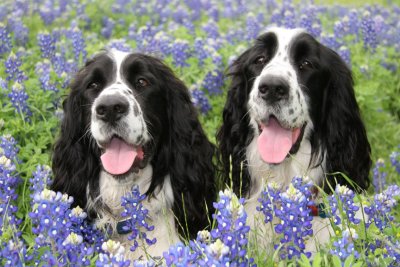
142	82
93	85
260	60
305	64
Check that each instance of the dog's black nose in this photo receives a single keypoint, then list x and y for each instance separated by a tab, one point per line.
111	108
273	88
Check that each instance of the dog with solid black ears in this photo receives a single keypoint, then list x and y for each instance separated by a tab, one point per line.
290	111
128	120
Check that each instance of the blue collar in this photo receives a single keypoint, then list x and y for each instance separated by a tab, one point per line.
123	227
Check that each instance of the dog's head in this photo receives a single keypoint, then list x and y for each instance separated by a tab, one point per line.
124	112
286	88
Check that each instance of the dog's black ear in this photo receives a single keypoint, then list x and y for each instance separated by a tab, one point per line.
233	135
186	155
341	130
75	160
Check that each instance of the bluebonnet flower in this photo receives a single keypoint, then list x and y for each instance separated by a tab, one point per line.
19	97
137	216
113	255
344	246
179	255
144	263
21	32
163	43
343	202
231	234
12	64
120	6
108	27
41	178
269	197
379	176
3	85
44	70
180	53
395	160
48	12
200	100
330	41
378	210
316	29
344	53
211	29
277	18
289	19
60	232
14	253
78	43
119	44
252	27
9	181
213	82
354	22
291	207
368	32
5	40
295	219
47	44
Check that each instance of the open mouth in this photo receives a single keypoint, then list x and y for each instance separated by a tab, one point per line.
275	142
119	157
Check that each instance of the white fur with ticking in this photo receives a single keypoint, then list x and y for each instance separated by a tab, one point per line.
291	113
159	206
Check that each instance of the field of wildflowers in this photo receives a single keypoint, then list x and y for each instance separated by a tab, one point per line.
44	42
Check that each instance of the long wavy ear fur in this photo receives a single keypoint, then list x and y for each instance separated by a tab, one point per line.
187	156
235	134
341	131
74	160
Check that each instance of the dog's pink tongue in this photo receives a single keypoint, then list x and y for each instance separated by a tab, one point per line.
119	156
275	142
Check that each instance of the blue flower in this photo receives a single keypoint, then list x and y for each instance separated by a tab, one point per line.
78	43
369	33
12	64
378	211
253	27
108	27
344	246
120	45
200	100
379	176
180	53
47	44
213	82
344	53
5	40
113	255
137	217
44	69
395	160
18	98
291	208
342	203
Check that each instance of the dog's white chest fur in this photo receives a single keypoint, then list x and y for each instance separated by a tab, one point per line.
159	206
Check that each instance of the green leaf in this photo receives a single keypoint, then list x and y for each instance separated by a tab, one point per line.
336	261
349	260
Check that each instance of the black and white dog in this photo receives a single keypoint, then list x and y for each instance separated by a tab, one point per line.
129	121
291	111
